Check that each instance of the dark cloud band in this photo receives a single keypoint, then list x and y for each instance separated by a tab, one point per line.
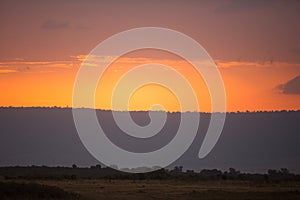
291	87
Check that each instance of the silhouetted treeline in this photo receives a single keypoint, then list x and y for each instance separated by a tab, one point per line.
98	172
67	107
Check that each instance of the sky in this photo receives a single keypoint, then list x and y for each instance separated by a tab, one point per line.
255	44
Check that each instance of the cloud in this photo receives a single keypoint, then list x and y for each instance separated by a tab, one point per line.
53	24
35	66
6	71
223	64
291	87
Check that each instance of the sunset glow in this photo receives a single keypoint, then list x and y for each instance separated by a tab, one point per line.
40	56
249	85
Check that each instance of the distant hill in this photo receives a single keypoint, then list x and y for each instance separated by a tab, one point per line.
252	142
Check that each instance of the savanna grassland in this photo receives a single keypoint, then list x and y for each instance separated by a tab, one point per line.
165	189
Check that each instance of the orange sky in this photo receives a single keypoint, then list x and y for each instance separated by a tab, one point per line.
255	45
249	85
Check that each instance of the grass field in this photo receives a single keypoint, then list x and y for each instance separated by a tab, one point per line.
172	189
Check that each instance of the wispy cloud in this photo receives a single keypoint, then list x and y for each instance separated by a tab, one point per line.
6	71
80	57
54	24
23	66
221	64
248	64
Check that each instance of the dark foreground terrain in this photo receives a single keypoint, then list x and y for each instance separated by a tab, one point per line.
147	189
98	182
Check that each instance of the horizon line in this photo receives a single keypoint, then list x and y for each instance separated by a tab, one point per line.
99	109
